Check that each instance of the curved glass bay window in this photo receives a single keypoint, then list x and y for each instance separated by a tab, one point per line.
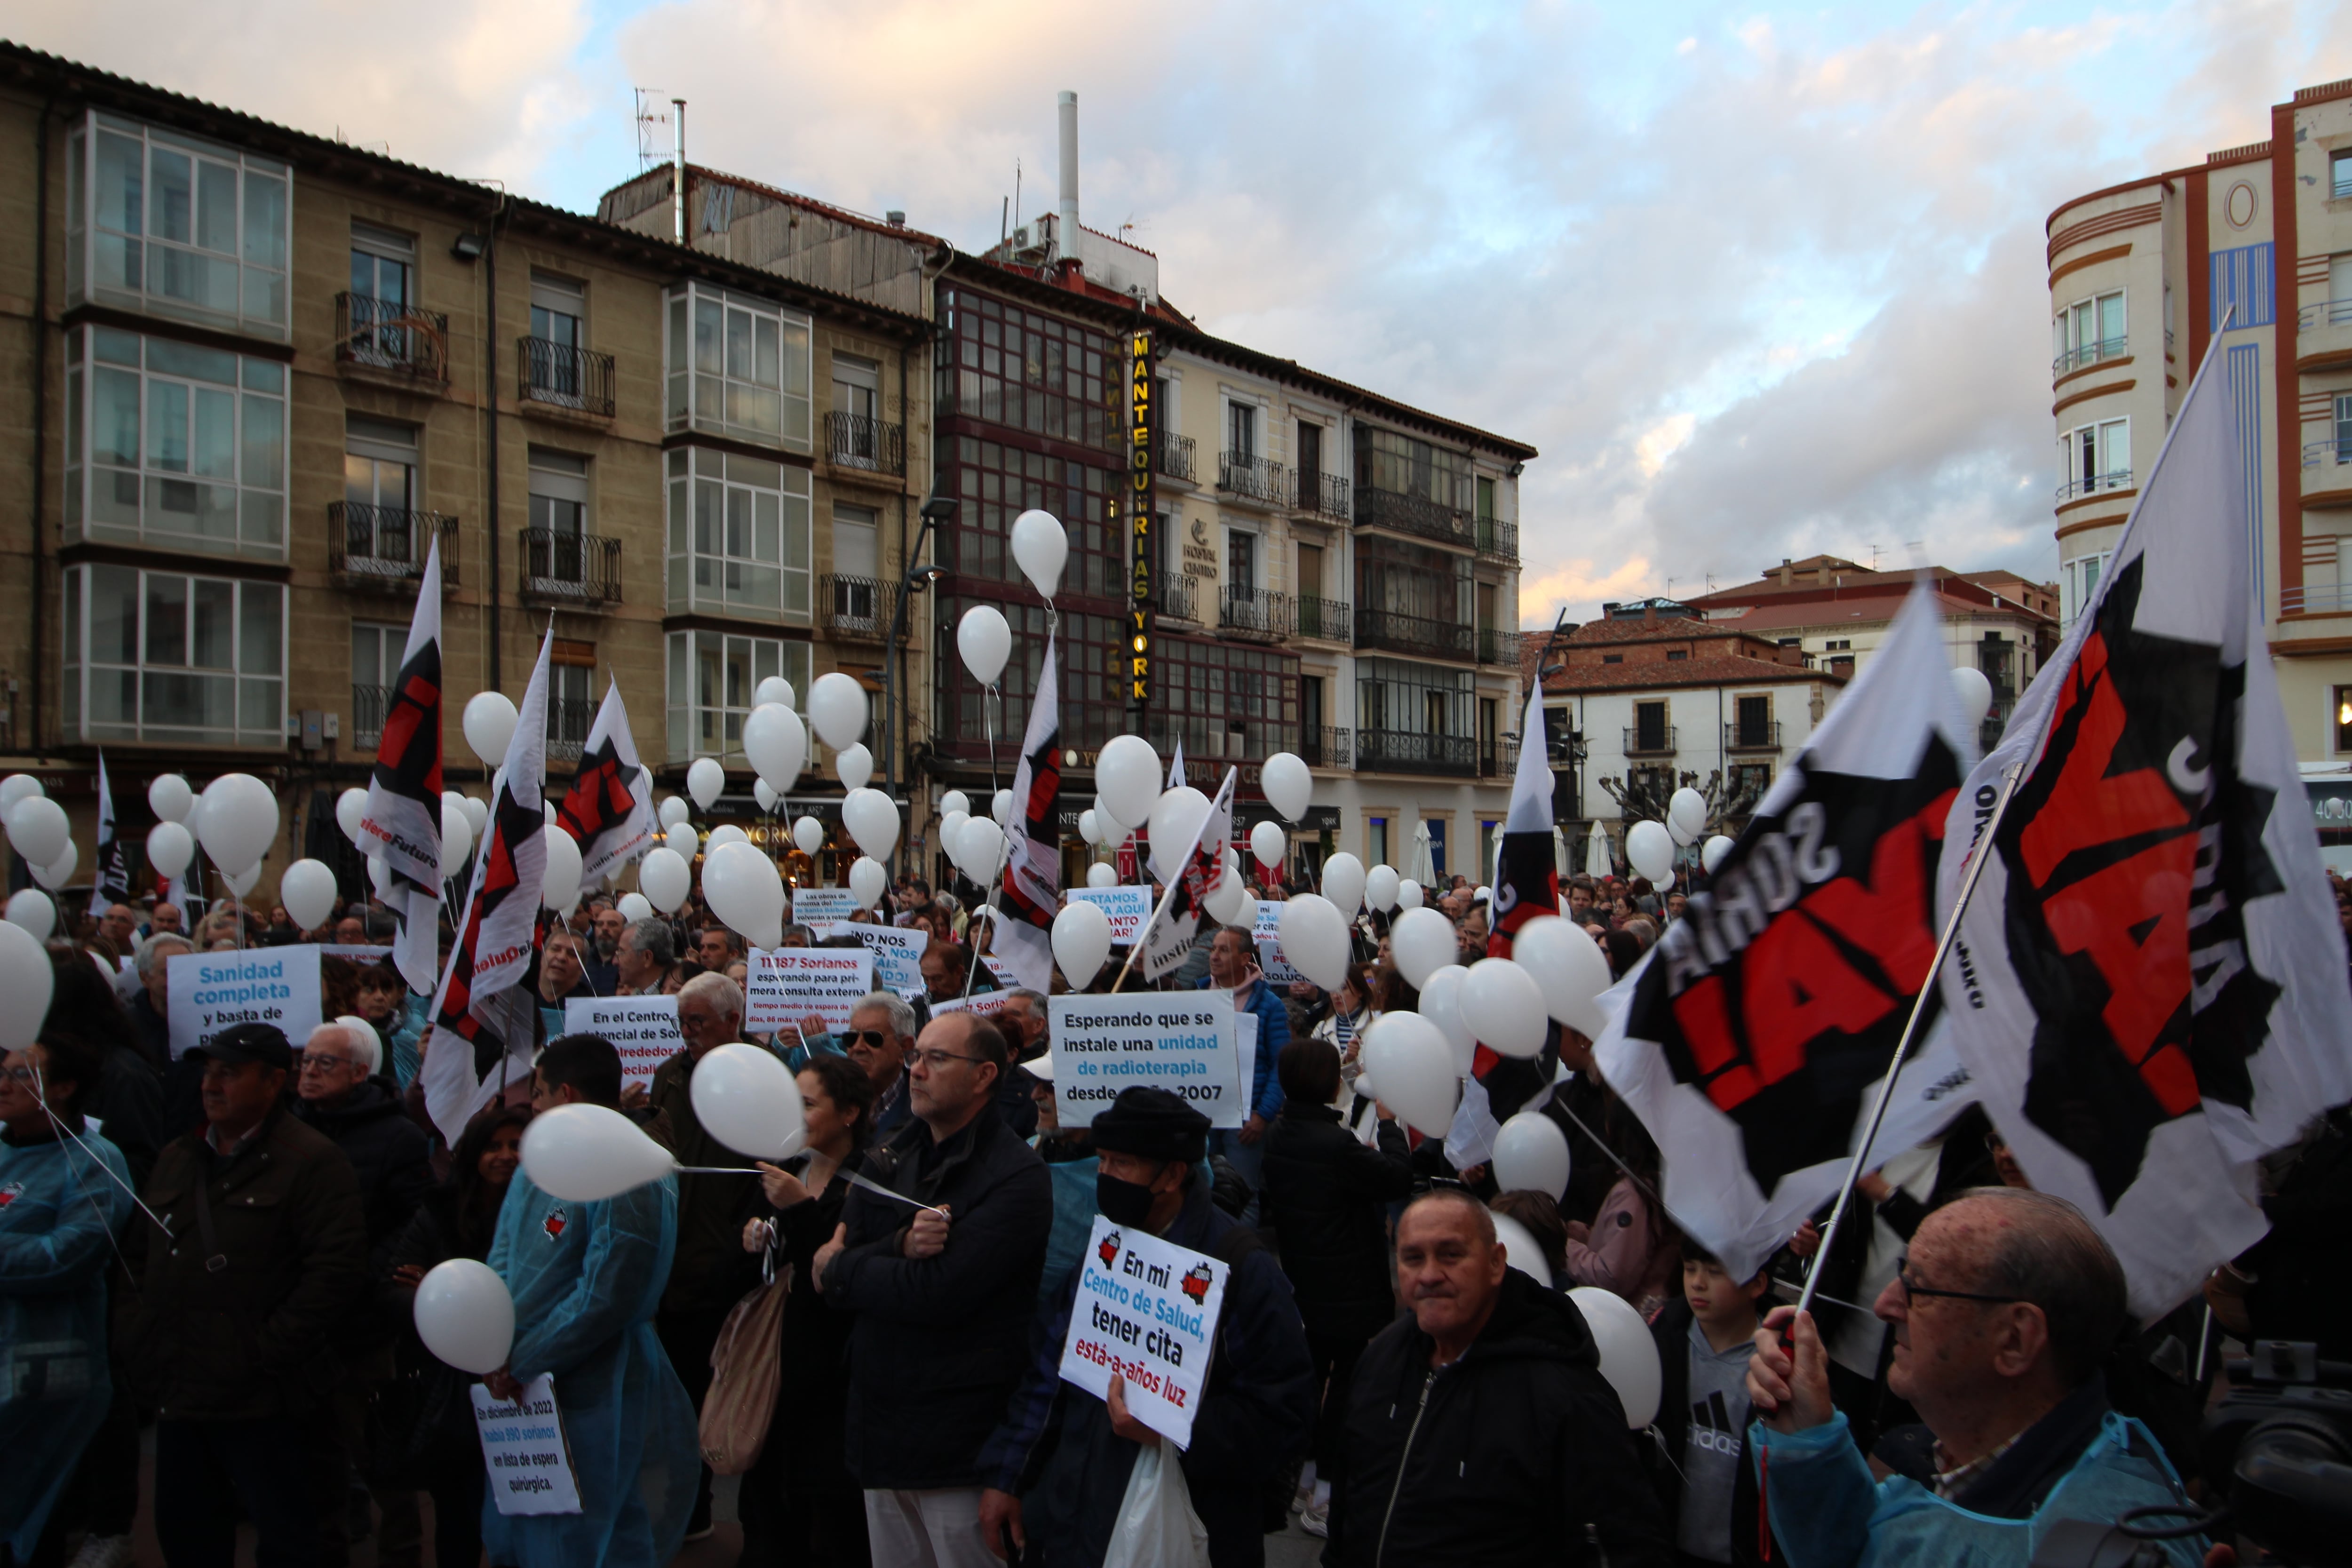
1030	371
172	226
160	657
1092	649
999	481
738	367
710	679
739	536
171	445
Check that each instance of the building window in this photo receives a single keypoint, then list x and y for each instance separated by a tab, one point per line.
1748	781
173	446
2089	330
571	698
999	481
2078	580
738	367
1485	499
1612	658
1241	431
1224	703
857	431
1375	840
1093	650
376	665
1676	654
1399	464
558	314
2344	428
1310	463
710	679
858	568
1650	733
1241	563
2340	175
2093	458
156	656
1752	721
739	536
172	225
1030	371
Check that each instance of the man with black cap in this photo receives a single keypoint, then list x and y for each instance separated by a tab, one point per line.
241	1303
1057	1468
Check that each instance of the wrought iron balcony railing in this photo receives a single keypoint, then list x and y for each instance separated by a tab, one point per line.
2089	354
854	441
1253	478
1763	737
1331	619
1498	647
578	570
1498	540
1401	632
1178	596
1254	613
1177	457
565	377
569	720
2119	480
1417	515
1324	494
387	545
1502	757
1321	746
1413	752
857	608
1650	739
391	334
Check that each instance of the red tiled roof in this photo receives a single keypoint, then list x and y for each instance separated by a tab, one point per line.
1718	669
1666	628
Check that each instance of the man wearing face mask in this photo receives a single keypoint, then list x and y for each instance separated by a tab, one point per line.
1056	1469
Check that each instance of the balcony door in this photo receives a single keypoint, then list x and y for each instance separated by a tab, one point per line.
1310	465
559	517
1241	431
1755	722
856	565
558	307
857	412
384	278
376	665
380	491
1310	590
1650	726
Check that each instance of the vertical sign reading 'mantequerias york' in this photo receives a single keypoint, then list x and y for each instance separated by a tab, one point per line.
1142	497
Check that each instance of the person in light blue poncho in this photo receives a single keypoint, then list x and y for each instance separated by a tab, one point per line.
585	1280
2002	1313
64	1193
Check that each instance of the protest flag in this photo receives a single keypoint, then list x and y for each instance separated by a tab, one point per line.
1753	1041
1176	765
1032	886
402	814
111	880
2150	983
483	1019
1168	937
605	810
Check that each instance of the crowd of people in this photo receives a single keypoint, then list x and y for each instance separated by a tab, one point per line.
224	1249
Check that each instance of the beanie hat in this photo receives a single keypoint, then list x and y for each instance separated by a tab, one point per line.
1153	1123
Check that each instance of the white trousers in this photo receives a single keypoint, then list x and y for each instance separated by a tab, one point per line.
927	1529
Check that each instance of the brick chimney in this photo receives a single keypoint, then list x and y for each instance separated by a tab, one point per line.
1787	573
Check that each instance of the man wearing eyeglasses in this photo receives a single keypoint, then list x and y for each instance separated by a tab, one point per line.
943	1285
880	1028
2001	1314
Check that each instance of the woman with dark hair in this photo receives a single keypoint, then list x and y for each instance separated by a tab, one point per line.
423	1419
798	1502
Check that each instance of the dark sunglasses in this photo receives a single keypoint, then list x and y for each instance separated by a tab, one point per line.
872	1039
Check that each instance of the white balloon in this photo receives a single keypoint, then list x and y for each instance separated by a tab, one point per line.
1109	833
1414	1065
1569	967
558	885
307	889
981	846
1409	894
1270	844
985	640
1441	1004
635	907
1343	883
477	813
465	1315
1128	774
171	799
38	831
1629	1355
1229	902
451	799
1422	941
951	836
665	878
1503	1007
1381	884
1521	1250
1081	941
744	890
1102	874
837	710
1086	825
1531	1155
31	911
704	780
1289	787
725	833
674	809
1687	813
774	688
55	874
242	882
854	767
585	1153
238	820
766	796
809	834
490	724
456	837
1976	692
1651	848
27	977
350	806
872	818
1176	819
546	811
17	787
775	743
683	841
1315	939
170	848
1040	547
744	1096
1001	808
955	800
1711	853
868	882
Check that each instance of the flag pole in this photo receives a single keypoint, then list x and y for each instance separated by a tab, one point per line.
1981	852
1144	930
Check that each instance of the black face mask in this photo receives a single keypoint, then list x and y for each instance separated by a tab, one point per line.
1122	1203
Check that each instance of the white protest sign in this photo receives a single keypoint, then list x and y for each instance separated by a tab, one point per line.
811	904
1269	918
788	984
1127	907
357	952
644	1029
1278	970
523	1449
999	970
987	1004
897	955
1146	1311
210	991
1181	1041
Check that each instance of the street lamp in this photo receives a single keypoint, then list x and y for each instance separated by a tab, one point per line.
936	510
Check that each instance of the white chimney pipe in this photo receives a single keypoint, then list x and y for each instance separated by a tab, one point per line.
1066	225
677	168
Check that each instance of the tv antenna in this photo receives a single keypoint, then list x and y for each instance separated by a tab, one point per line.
652	110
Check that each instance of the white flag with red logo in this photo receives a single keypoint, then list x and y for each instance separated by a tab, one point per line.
402	819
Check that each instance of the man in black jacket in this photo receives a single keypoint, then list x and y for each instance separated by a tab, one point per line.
1479	1427
944	1287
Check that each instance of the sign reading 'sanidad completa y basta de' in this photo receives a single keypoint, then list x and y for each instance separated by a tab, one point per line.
1182	1041
210	991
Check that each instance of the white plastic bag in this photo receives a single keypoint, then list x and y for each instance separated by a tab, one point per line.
1157	1526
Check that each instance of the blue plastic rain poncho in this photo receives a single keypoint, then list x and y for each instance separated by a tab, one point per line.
585	1280
59	1211
1827	1512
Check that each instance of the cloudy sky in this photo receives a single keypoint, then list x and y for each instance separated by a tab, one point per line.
1757	282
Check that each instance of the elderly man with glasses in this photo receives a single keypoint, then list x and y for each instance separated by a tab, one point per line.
881	1028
